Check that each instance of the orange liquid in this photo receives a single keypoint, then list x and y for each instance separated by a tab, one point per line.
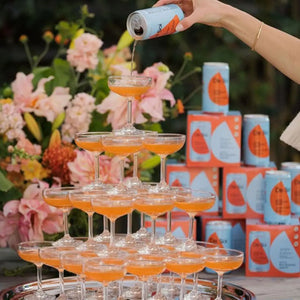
85	206
31	255
94	146
164	149
74	268
223	264
60	202
51	261
195	206
185	268
123	150
88	253
154	210
145	270
113	212
105	276
130	91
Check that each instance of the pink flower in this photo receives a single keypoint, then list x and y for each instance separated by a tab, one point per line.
82	170
22	88
84	54
28	147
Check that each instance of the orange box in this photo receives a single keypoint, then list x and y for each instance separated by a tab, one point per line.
203	178
244	191
213	139
272	250
179	227
238	231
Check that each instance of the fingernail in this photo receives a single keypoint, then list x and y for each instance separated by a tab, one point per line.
179	27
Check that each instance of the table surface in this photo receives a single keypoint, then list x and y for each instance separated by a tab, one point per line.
265	288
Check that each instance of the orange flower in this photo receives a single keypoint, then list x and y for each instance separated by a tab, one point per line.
180	106
23	38
48	36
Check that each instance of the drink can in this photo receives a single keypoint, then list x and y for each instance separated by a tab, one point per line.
219	232
277	208
294	169
259	251
154	22
256	140
215	93
200	142
236	193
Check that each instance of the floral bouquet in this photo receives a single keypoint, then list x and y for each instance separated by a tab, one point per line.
40	113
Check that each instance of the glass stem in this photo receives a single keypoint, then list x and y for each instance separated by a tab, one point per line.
142	220
220	286
105	292
182	288
169	222
129	112
96	158
105	223
163	170
65	220
39	278
90	226
82	287
112	232
122	170
195	282
191	226
135	165
129	223
61	281
144	290
153	225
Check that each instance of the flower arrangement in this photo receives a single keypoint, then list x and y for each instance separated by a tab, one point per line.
40	113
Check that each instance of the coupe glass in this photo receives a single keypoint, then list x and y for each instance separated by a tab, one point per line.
223	260
164	144
113	206
131	87
193	201
59	197
30	251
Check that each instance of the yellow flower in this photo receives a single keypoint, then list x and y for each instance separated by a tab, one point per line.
32	169
5	101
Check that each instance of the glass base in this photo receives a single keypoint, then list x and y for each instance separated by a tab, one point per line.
167	239
104	237
142	234
67	241
132	182
39	295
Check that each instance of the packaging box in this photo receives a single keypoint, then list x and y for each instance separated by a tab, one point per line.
272	250
202	178
179	227
238	231
213	139
244	191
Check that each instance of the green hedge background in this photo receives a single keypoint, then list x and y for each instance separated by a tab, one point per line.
255	86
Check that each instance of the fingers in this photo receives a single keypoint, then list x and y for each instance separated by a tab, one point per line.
164	2
186	22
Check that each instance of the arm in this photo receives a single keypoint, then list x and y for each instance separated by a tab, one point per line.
279	48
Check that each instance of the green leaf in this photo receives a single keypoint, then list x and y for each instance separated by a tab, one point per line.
63	74
5	184
41	72
11	194
150	163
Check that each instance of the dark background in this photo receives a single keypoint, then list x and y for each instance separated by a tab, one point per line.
255	86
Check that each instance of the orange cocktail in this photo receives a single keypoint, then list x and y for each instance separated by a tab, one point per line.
130	91
31	255
93	146
163	148
196	205
144	268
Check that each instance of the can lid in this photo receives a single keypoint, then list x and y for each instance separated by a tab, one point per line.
136	25
220	223
212	63
256	116
278	173
290	165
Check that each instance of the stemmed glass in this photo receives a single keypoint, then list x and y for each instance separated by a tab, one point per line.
154	205
113	205
222	260
59	197
109	266
131	87
30	251
193	201
164	144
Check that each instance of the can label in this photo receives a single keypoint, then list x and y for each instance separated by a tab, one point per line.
236	191
215	95
200	141
154	22
219	232
256	194
294	169
259	251
277	209
256	140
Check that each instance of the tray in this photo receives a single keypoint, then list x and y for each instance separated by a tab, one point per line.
51	287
